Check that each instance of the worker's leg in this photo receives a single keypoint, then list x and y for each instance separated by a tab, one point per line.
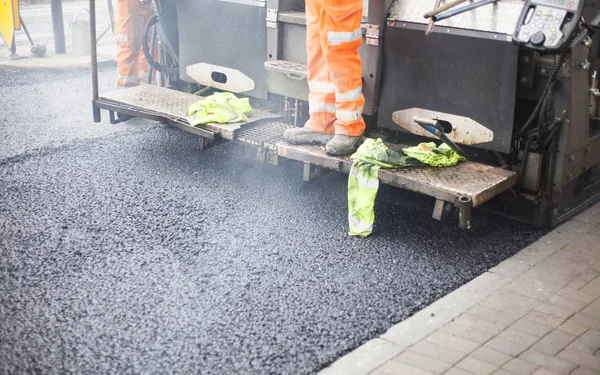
321	97
341	30
128	36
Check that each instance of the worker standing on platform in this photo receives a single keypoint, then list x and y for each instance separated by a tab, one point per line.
130	20
333	33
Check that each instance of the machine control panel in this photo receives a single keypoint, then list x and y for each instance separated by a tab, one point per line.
547	24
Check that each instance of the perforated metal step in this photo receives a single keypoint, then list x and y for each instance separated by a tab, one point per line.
261	134
174	104
291	69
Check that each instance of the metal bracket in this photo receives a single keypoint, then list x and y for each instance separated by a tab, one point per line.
464	204
312	171
272	18
442	209
373	35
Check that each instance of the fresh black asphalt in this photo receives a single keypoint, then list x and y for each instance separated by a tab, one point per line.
124	249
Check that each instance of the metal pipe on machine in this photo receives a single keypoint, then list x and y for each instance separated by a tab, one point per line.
58	27
94	57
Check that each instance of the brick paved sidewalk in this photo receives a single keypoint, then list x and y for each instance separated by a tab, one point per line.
536	313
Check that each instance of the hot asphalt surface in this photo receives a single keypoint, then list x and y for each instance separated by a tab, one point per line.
124	249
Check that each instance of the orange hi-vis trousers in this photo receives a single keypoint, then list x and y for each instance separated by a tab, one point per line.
130	19
333	36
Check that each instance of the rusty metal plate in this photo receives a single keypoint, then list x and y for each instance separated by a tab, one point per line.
500	18
175	104
478	181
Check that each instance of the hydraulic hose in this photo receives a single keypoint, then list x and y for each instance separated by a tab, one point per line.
162	19
145	47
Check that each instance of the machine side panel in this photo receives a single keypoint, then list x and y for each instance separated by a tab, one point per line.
469	76
217	32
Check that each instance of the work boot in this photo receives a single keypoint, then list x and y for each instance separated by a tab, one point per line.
343	145
306	136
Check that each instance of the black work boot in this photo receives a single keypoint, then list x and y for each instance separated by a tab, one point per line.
343	145
305	136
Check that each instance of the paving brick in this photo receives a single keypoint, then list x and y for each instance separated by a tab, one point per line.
518	337
543	371
574	226
570	266
503	372
365	358
566	303
468	333
438	352
457	371
492	315
553	343
589	216
511	268
490	356
480	324
588	342
520	367
532	328
397	368
586	321
572	328
558	365
551	273
533	288
586	245
544	319
557	311
510	303
476	366
576	295
505	346
452	342
584	371
593	309
569	255
417	360
591	289
583	279
581	358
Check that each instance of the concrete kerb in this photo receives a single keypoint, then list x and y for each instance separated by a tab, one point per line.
375	353
106	54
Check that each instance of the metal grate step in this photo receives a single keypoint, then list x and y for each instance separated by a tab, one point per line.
290	69
258	135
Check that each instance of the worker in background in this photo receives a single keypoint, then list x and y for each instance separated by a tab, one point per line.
334	77
130	20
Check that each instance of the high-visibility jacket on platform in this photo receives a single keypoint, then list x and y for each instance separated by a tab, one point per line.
363	181
333	36
130	19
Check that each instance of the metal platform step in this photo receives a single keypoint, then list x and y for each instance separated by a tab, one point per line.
470	182
290	69
292	16
166	104
477	181
287	79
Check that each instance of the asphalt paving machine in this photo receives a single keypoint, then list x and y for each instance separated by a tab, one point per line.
513	82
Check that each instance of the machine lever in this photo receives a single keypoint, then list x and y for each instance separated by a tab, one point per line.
466	8
439	128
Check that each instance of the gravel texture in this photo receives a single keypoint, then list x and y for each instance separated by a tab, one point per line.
123	249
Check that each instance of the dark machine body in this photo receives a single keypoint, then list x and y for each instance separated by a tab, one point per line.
516	80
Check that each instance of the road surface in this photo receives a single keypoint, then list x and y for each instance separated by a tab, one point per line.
123	249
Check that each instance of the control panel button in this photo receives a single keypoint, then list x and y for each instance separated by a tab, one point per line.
537	39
